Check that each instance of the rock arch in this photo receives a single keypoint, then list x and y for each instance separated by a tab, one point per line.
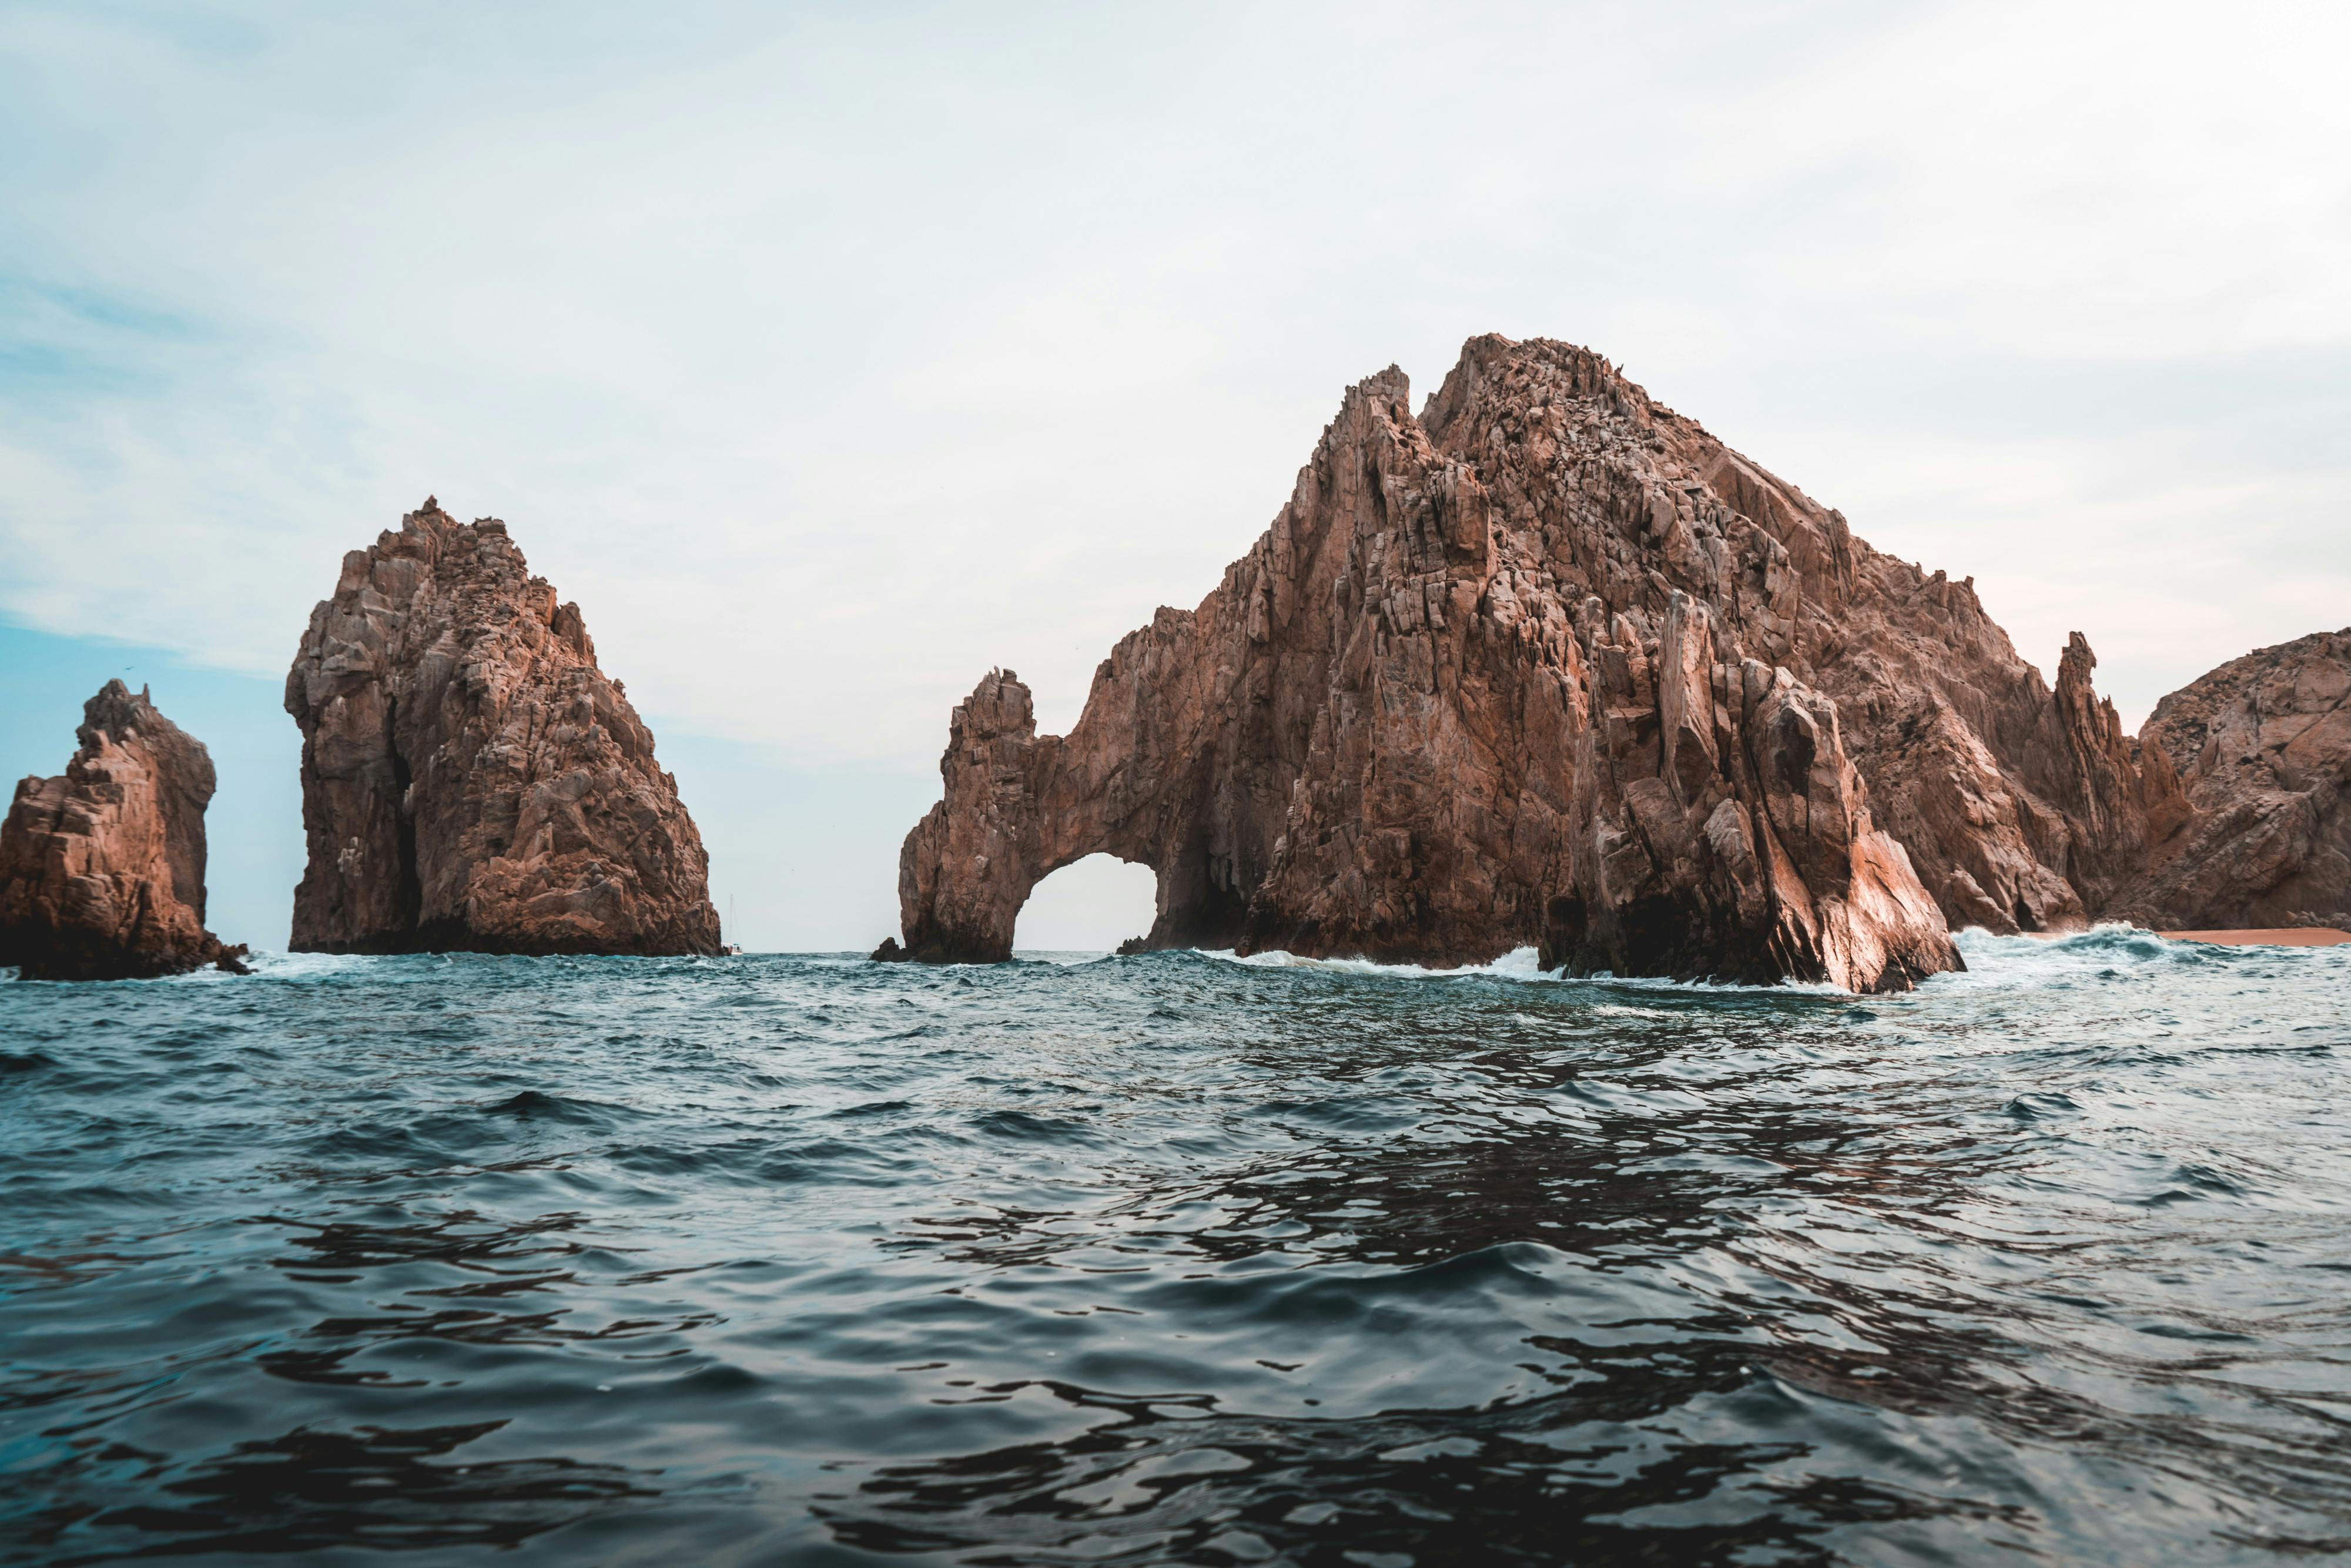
1020	806
1550	665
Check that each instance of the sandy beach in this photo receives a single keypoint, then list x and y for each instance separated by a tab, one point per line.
2250	936
2277	936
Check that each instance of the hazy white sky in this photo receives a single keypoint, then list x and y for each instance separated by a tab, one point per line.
829	356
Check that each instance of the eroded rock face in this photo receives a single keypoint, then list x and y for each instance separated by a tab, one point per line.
102	868
1548	665
2261	747
470	778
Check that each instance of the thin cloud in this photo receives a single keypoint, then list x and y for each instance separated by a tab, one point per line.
831	357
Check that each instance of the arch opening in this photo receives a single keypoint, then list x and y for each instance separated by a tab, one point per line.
1090	905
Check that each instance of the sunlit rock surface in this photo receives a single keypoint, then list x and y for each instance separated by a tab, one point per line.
1550	665
470	778
103	867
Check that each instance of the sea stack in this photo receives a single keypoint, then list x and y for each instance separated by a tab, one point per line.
102	868
471	780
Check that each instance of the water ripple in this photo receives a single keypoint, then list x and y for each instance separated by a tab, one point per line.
1179	1258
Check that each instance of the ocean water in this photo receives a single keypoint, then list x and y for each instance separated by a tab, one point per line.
1178	1258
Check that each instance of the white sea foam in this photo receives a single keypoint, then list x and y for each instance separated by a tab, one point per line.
1517	964
2007	961
306	966
1992	961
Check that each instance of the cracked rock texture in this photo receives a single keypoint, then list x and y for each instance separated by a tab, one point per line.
2261	747
470	778
102	868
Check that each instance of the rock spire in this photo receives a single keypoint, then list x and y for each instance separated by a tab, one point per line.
102	868
470	778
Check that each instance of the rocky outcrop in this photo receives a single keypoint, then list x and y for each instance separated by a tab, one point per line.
1550	664
1537	667
470	778
2262	749
102	868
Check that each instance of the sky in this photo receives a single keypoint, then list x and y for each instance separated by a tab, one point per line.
830	356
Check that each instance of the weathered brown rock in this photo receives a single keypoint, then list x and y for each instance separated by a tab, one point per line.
2261	747
102	868
1550	664
1524	671
470	778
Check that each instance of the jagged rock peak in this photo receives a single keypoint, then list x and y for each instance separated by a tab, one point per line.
470	778
1535	668
102	868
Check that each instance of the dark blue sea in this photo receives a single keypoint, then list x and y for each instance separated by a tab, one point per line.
1178	1259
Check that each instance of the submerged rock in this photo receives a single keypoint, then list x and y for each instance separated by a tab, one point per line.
2262	749
102	868
470	778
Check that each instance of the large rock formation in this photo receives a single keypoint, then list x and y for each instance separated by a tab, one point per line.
102	868
470	778
2262	747
1550	664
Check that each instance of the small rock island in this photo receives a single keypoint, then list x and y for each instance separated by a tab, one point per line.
103	867
471	780
1549	665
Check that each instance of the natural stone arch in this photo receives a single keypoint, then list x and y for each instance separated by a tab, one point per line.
1019	807
1531	668
1199	726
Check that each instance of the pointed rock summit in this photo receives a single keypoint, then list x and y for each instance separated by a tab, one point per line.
470	778
102	868
1550	665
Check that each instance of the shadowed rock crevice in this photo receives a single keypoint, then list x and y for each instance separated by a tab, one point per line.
470	778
